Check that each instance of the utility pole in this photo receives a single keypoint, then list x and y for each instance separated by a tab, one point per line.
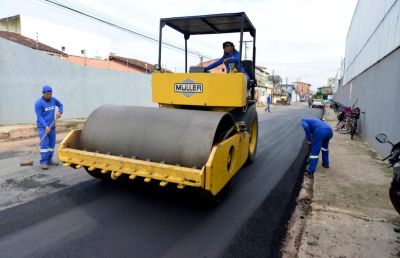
37	40
246	47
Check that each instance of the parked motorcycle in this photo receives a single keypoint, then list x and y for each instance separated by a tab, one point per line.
342	117
348	120
394	163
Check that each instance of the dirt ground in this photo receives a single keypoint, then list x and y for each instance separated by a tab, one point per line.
350	214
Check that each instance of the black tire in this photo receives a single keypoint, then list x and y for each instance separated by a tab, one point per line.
343	129
97	174
253	138
351	129
394	198
338	125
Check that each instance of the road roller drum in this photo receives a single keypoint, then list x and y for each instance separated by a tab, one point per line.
173	136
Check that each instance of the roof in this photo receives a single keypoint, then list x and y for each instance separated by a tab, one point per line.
135	62
28	42
210	24
302	82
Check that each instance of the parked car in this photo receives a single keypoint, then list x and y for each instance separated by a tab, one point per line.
317	103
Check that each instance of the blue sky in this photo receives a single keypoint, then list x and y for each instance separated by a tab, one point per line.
298	39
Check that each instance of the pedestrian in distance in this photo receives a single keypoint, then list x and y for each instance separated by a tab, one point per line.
268	108
309	102
318	135
45	109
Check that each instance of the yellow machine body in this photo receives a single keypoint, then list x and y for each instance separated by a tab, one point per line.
200	89
212	177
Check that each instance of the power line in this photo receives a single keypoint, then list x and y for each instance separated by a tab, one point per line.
144	17
121	27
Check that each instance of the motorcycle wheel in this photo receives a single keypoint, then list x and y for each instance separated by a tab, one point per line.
343	129
353	127
338	126
394	198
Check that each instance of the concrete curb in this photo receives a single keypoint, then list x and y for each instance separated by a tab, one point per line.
17	132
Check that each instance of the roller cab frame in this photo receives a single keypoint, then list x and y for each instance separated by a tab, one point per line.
233	141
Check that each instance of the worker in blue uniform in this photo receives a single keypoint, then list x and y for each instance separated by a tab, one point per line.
231	56
45	109
318	134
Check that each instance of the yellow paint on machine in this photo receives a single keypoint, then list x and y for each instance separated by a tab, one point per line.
216	90
226	158
218	170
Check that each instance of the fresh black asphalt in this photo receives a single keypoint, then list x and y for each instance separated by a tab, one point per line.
106	219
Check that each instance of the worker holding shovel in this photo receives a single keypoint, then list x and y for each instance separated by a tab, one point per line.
45	108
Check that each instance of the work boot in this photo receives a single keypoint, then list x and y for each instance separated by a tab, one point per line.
325	166
308	175
44	166
53	163
396	229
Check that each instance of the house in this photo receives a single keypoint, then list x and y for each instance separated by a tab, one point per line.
264	86
275	80
324	92
303	90
31	43
113	62
71	41
287	93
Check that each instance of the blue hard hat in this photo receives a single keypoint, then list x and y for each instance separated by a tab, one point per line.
46	89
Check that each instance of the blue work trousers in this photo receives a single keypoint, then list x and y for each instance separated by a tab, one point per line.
320	142
47	145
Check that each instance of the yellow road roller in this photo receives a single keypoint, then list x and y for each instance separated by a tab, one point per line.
204	130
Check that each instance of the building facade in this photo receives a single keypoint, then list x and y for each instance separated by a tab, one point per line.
303	90
370	75
264	86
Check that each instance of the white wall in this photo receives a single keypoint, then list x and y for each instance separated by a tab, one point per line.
374	32
23	71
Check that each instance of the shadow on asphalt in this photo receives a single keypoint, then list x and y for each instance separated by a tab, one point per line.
263	234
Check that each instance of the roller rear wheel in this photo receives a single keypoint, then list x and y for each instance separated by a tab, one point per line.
253	130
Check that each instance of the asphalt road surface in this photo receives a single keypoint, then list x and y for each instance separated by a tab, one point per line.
65	213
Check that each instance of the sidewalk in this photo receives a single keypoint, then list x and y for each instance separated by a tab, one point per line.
15	132
351	213
345	210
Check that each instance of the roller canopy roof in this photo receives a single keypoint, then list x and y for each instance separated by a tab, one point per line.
210	24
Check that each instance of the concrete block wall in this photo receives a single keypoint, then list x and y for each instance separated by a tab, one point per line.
23	71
